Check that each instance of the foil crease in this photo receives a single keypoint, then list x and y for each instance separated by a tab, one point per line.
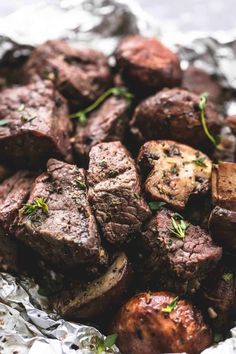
26	324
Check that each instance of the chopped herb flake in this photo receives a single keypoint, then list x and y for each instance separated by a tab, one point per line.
101	345
38	203
227	276
81	185
3	122
179	226
116	91
169	308
200	161
156	205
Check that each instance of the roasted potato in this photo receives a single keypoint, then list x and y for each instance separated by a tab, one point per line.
175	171
159	322
91	300
146	65
174	114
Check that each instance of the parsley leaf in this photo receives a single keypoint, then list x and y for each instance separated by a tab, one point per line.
101	345
200	161
31	208
170	307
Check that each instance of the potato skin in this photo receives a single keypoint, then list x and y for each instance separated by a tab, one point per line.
146	65
143	328
174	114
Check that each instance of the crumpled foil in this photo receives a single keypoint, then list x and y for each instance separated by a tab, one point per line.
26	326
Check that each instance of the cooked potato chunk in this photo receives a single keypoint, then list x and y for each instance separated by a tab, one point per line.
175	171
160	323
101	295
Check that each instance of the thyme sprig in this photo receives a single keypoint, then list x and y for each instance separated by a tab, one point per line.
115	91
179	226
169	308
38	203
202	106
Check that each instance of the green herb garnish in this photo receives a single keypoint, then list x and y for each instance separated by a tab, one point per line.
169	308
81	185
179	226
200	161
115	91
227	276
202	106
101	345
3	122
218	337
38	203
156	205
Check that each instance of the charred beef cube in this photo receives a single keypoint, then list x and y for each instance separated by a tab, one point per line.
98	297
146	65
108	123
175	171
174	114
199	81
36	126
81	75
115	192
224	185
14	191
222	225
160	322
219	296
63	230
180	259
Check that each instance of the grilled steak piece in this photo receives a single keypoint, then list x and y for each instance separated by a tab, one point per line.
66	234
81	75
98	297
179	264
219	296
115	192
107	123
143	326
174	114
146	65
199	81
224	185
14	192
222	225
36	126
175	171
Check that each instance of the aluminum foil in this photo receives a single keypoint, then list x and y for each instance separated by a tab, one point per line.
26	325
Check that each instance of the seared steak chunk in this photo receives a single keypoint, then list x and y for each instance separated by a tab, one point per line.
36	126
175	171
146	65
108	123
224	185
13	192
181	261
98	297
174	114
222	225
219	296
81	75
115	192
63	230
